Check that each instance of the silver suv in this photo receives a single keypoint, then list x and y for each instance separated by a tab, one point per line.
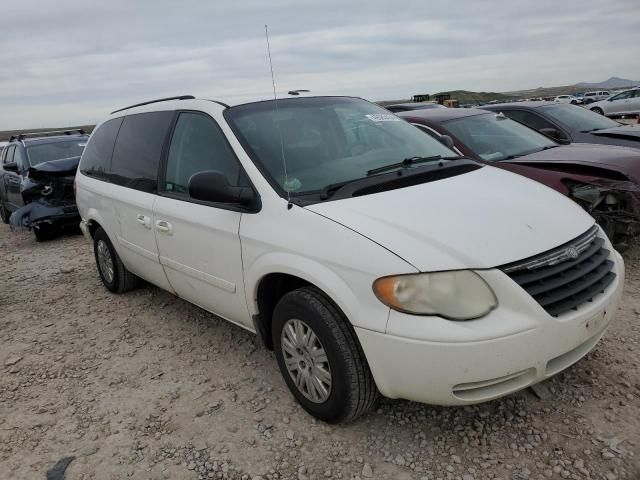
591	97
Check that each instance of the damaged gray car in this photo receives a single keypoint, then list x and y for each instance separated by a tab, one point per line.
37	172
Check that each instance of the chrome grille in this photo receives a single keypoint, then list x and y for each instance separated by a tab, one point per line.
565	277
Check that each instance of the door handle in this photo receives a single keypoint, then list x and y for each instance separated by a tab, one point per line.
144	220
164	226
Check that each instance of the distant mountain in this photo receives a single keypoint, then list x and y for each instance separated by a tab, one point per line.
613	82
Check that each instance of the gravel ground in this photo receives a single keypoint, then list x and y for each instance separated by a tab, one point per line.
147	386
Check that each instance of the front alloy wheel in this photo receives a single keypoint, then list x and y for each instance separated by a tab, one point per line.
306	360
320	358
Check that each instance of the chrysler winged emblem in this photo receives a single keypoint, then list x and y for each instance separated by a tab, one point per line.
572	253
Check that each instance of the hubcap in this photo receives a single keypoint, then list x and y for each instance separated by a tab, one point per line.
105	262
306	360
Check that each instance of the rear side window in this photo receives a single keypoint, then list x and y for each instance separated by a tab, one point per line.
96	159
20	159
529	119
199	145
136	156
9	155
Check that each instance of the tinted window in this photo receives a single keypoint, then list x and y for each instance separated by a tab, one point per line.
495	137
19	158
199	145
136	156
9	157
3	154
96	159
578	118
45	152
529	119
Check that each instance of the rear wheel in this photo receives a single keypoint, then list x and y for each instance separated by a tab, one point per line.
113	273
320	358
4	213
597	110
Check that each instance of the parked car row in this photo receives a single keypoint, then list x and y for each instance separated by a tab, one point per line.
604	179
404	255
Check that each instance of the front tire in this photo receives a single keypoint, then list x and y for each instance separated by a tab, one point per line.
597	110
320	358
113	273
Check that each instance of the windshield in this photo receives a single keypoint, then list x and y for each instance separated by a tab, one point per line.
578	118
494	137
326	140
46	152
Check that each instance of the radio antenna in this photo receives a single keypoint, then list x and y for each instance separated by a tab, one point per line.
275	98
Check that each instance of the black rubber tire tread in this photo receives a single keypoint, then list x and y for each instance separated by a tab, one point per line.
4	213
362	391
123	280
597	110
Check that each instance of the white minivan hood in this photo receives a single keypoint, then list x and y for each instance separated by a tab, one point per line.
481	219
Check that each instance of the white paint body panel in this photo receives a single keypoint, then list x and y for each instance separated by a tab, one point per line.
481	219
201	256
217	258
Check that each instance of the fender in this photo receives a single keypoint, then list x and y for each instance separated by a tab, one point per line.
370	315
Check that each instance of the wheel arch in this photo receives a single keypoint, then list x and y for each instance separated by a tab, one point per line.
271	278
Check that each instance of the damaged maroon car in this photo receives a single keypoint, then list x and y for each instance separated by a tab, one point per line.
604	180
37	173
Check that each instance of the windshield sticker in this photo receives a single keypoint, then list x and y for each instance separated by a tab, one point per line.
382	117
292	185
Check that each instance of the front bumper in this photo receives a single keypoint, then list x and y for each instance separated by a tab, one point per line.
84	228
456	363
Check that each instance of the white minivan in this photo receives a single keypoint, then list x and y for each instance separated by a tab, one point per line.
369	256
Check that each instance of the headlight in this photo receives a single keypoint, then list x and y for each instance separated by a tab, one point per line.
456	295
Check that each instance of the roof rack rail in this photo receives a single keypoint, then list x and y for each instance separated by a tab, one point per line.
180	97
218	102
70	131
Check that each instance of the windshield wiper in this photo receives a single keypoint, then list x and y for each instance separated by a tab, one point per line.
408	162
591	130
548	147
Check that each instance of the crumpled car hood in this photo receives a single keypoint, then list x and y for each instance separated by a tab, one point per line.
624	160
481	219
47	191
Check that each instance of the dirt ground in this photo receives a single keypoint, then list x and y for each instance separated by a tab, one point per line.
147	386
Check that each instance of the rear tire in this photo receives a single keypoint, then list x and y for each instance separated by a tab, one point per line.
113	273
4	213
331	353
597	110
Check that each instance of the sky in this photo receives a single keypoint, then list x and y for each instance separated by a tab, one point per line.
67	63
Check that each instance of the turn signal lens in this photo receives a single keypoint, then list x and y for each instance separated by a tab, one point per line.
455	295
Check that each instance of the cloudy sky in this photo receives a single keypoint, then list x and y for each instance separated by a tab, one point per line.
72	62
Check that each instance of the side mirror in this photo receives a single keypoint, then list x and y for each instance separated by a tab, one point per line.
212	186
447	141
11	167
555	134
